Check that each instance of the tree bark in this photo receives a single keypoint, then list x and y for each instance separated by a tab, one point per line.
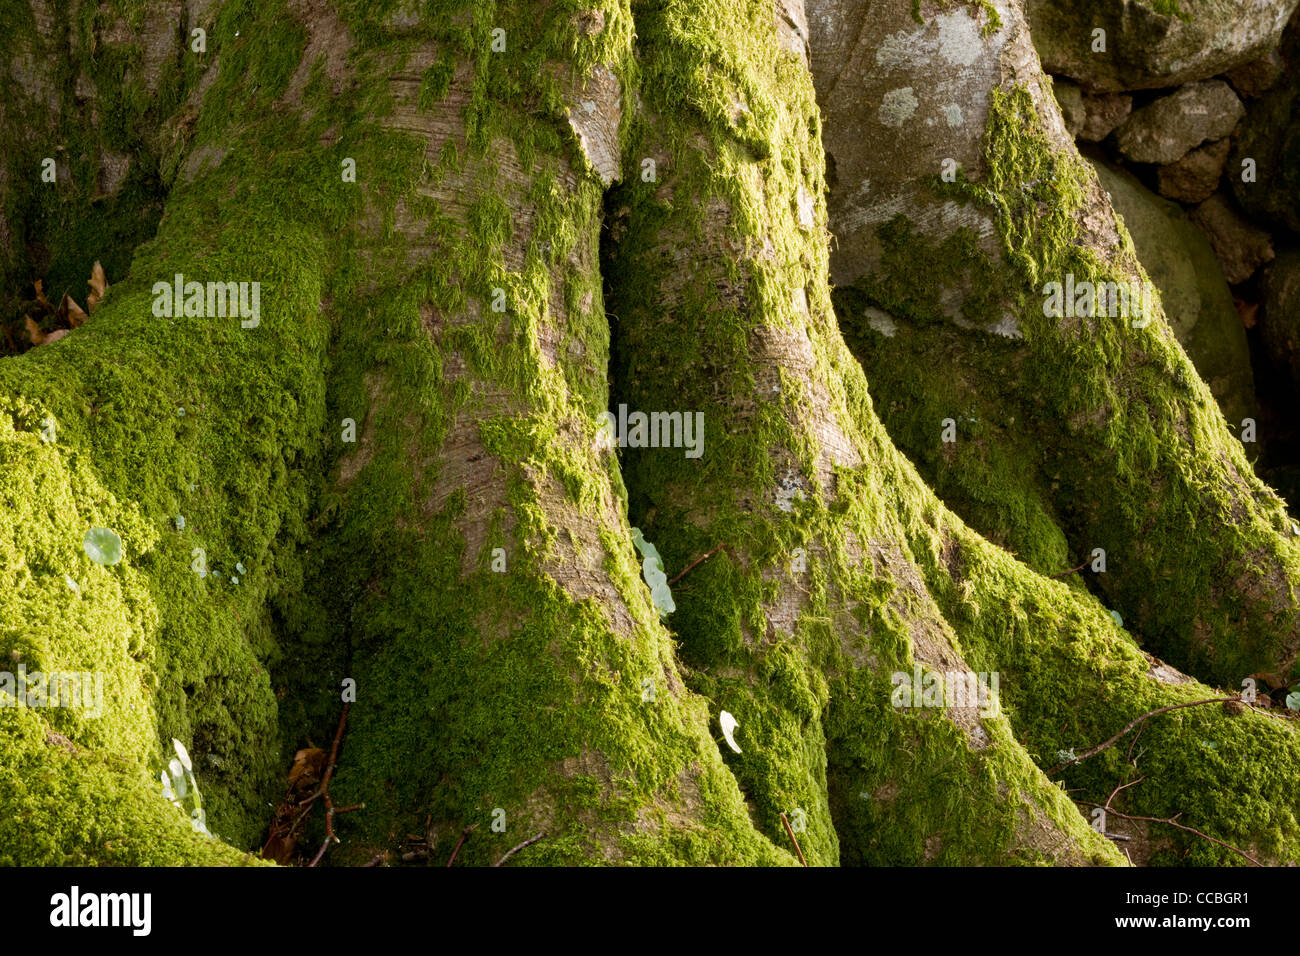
1074	433
403	463
797	626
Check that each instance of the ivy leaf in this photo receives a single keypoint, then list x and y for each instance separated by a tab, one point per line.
663	599
182	754
179	783
1293	700
652	569
648	550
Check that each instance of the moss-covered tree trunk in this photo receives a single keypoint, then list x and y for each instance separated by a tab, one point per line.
475	228
1059	429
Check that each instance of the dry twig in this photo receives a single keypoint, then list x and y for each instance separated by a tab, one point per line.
1093	751
698	561
793	840
324	790
515	849
461	842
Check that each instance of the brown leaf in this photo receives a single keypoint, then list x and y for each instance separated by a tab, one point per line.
98	283
40	296
279	848
1274	681
68	309
55	335
308	765
34	331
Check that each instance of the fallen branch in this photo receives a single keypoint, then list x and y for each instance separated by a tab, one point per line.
1105	744
461	842
1173	822
793	840
1061	574
324	791
515	849
694	564
1122	786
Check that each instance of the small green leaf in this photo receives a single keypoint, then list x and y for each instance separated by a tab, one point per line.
102	546
1293	700
652	569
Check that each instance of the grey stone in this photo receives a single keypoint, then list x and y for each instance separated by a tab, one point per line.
1166	130
1105	112
1149	49
1280	317
1070	99
1257	77
1195	177
1240	247
1269	137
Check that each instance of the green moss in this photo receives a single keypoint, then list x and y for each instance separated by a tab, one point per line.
480	690
801	656
519	690
1069	677
435	83
1083	433
992	19
1169	8
182	656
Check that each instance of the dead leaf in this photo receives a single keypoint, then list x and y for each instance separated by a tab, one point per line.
1274	681
98	283
55	335
279	848
308	765
40	296
71	312
33	331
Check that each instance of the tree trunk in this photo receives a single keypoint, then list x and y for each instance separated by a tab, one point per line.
397	481
1073	433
